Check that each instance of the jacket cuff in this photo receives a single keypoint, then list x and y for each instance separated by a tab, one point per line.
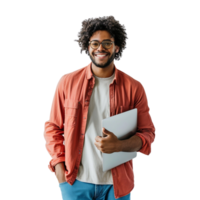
145	147
54	162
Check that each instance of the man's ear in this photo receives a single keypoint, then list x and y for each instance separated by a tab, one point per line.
117	49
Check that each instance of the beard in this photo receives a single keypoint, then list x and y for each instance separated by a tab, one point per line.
103	65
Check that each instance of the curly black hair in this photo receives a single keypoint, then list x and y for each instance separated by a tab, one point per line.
89	26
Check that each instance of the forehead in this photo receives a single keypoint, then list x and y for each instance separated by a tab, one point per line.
101	35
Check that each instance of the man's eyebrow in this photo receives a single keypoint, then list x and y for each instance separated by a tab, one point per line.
103	40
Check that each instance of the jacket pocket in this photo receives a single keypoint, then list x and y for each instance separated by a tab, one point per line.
71	112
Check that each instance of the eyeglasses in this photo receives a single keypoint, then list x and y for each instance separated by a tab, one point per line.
95	44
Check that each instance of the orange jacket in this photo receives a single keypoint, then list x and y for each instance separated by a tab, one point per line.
68	119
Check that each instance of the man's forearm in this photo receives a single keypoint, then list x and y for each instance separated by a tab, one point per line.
134	143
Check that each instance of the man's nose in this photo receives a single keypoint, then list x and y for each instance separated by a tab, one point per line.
100	48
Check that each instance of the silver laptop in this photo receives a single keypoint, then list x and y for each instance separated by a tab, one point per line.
123	125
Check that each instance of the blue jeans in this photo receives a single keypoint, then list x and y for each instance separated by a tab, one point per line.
88	191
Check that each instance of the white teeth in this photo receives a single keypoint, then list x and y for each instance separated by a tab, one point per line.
101	55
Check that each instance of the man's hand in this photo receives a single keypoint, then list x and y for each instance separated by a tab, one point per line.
108	144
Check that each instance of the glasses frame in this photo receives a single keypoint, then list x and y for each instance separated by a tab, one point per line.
101	43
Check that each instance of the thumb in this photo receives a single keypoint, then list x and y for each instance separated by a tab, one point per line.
105	131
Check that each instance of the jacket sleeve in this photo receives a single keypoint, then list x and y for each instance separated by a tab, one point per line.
54	128
145	126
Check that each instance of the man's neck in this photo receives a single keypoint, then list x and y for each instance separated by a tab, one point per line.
103	72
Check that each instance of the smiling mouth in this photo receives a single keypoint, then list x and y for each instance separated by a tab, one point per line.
101	56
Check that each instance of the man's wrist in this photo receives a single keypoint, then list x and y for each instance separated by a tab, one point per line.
119	146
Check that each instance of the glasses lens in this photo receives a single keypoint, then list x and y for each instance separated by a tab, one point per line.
107	44
95	44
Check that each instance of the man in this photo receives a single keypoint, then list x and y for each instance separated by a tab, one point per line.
82	99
